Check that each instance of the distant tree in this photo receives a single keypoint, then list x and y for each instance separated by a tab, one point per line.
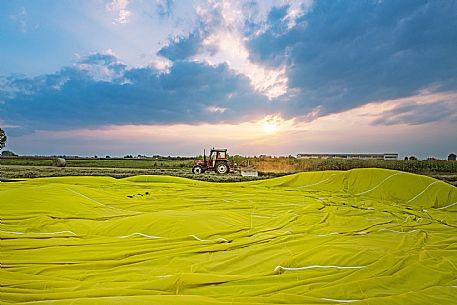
406	158
107	157
2	139
451	157
8	153
413	158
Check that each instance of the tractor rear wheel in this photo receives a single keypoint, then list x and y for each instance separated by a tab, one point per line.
222	168
197	169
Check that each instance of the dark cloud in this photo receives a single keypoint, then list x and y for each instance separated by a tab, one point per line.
182	47
341	55
99	90
276	20
416	114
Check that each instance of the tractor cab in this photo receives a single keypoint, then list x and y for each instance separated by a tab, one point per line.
217	155
217	161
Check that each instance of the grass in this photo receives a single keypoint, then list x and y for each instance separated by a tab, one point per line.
22	171
268	167
103	163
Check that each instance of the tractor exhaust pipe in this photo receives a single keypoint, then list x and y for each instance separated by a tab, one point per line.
204	156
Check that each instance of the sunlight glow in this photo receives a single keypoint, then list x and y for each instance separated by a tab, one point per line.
271	124
271	134
270	127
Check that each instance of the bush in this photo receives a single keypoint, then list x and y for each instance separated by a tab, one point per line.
279	165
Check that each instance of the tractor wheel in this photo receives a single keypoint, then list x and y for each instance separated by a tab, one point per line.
197	170
222	168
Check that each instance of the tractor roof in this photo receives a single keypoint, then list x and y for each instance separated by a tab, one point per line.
219	149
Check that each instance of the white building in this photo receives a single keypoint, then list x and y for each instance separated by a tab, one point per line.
385	156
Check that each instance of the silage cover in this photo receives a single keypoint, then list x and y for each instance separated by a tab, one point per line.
365	236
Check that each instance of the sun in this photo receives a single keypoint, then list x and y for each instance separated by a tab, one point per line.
271	124
270	127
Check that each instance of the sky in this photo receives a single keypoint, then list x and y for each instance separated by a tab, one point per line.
274	77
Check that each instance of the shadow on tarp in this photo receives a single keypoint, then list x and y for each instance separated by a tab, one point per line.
9	180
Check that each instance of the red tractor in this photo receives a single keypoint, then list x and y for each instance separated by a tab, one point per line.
217	161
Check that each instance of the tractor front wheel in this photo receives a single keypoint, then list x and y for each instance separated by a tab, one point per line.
222	168
197	170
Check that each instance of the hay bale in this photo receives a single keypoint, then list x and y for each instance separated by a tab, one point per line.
60	162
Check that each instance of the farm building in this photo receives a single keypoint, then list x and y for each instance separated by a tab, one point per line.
385	156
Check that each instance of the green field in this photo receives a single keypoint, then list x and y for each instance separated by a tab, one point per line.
268	167
20	171
103	163
284	165
365	236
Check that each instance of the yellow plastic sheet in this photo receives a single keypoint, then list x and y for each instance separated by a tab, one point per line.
365	236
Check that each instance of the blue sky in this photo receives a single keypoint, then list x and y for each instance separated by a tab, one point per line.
259	77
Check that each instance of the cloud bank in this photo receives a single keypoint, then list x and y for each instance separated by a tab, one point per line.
100	90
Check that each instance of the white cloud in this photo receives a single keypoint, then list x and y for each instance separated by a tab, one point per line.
296	10
110	51
226	43
363	116
100	70
20	18
162	64
119	7
216	109
97	72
